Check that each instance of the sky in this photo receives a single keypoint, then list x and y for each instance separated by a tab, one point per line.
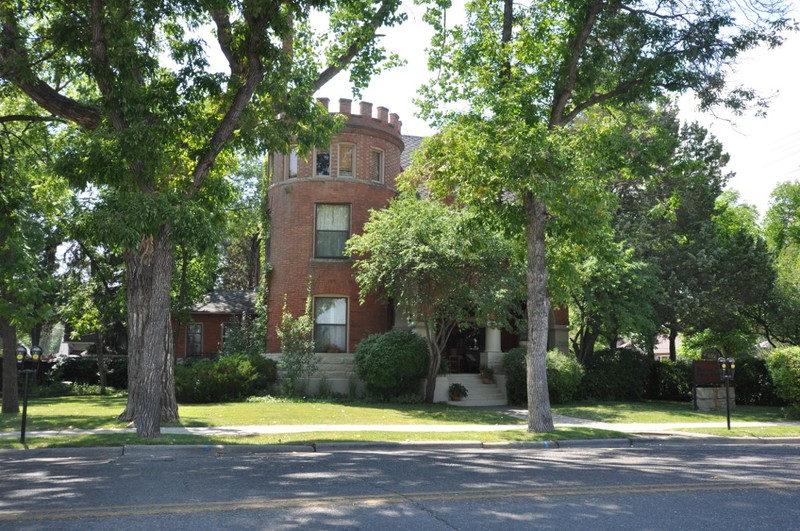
764	151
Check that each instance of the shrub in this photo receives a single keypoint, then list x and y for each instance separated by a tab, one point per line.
564	376
77	370
117	372
784	367
753	383
225	378
671	380
516	371
620	374
298	359
392	364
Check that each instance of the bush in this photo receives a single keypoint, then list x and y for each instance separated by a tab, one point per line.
117	372
784	367
392	364
77	370
621	374
298	359
671	380
516	371
564	376
753	383
225	378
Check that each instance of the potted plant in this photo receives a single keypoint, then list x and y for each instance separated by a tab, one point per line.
457	391
487	374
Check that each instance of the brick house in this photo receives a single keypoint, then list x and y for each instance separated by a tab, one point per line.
317	201
209	322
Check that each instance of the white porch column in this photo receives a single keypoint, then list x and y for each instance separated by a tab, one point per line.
492	356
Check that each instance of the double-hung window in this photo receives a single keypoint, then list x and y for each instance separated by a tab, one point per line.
194	339
332	230
330	324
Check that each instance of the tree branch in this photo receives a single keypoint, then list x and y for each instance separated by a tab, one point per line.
221	19
343	60
103	73
241	99
28	118
561	99
15	67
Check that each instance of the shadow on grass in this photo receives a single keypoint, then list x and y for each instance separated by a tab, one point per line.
67	412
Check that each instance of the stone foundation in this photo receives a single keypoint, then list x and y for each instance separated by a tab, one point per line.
713	398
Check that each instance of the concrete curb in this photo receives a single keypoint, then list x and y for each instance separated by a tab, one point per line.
94	452
165	451
168	452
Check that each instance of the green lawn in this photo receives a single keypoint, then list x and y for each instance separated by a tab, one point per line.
655	412
90	412
100	412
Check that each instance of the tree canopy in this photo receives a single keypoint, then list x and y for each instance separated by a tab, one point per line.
530	71
442	268
151	118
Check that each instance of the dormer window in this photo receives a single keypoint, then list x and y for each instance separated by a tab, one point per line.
347	160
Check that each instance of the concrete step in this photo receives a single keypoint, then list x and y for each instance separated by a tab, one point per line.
478	393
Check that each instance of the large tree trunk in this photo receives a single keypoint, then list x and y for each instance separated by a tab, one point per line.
10	386
540	419
434	360
673	348
586	345
169	402
149	274
101	361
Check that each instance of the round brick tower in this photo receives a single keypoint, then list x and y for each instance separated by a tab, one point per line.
317	201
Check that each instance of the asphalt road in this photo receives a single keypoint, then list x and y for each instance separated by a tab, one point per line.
687	486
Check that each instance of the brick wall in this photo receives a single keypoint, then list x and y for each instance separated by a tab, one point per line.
212	333
292	204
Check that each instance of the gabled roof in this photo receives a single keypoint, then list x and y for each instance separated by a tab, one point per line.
227	301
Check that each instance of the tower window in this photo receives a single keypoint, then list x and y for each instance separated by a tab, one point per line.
322	161
347	160
332	230
376	165
291	166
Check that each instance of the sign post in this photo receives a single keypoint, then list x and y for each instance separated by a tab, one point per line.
726	368
27	364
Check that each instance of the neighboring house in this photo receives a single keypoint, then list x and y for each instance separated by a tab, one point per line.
317	201
210	321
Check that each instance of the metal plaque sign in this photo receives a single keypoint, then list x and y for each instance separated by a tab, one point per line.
706	372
